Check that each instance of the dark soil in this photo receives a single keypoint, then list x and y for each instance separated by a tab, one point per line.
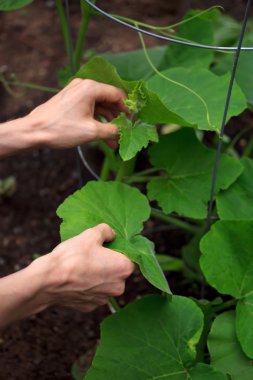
45	346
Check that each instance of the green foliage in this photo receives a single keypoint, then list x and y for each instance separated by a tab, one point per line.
134	136
237	202
77	370
11	5
124	209
133	65
137	99
191	252
194	87
185	188
7	187
227	30
152	338
180	55
160	336
169	263
226	353
244	75
227	263
153	111
63	76
196	95
100	70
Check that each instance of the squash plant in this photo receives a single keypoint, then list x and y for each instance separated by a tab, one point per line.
174	95
165	336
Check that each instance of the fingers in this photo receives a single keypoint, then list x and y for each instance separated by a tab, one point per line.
116	264
105	93
112	144
105	112
107	131
111	289
100	92
104	233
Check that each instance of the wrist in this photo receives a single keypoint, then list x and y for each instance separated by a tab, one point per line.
24	293
53	275
44	269
37	130
20	135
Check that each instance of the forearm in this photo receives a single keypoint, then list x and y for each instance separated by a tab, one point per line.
23	294
19	135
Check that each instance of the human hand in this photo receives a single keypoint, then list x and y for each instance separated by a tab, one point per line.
79	273
83	273
70	118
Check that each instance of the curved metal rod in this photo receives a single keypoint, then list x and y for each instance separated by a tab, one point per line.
164	38
224	118
86	164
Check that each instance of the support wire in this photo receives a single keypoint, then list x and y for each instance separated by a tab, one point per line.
222	131
224	118
79	153
164	38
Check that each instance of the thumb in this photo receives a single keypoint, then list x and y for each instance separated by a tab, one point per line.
104	233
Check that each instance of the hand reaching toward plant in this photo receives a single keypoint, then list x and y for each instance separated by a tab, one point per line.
66	120
79	273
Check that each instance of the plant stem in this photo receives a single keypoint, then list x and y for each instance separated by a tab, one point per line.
126	168
225	305
32	86
86	14
170	219
140	179
146	171
249	148
208	318
121	172
105	171
201	346
239	135
169	27
64	26
114	303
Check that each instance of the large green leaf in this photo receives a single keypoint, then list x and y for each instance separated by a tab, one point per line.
197	95
11	5
185	188
180	55
137	135
227	30
191	252
227	263
151	338
244	75
125	209
154	111
204	372
199	89
170	263
226	353
236	203
134	136
133	65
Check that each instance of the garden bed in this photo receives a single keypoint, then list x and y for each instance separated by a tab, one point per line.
45	346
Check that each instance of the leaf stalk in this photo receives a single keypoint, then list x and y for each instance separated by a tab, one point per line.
171	220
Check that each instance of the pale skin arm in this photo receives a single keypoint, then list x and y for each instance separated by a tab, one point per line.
68	119
79	273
